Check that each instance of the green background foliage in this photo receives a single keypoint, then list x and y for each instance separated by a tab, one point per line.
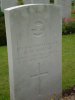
20	2
69	28
51	1
2	30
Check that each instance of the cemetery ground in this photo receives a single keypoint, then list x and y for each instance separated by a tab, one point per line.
68	59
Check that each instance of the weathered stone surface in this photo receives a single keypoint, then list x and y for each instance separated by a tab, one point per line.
66	7
58	2
10	3
34	35
37	1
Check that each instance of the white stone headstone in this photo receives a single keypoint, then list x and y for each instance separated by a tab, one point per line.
58	2
10	3
34	35
37	1
66	7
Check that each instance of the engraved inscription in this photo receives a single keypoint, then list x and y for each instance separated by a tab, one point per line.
38	28
39	75
34	52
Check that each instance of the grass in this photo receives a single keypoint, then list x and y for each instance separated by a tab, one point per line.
68	59
4	83
73	16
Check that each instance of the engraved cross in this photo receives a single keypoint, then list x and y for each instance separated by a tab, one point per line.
39	75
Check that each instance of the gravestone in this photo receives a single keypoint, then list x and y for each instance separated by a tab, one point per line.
66	7
58	2
34	35
10	3
37	1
